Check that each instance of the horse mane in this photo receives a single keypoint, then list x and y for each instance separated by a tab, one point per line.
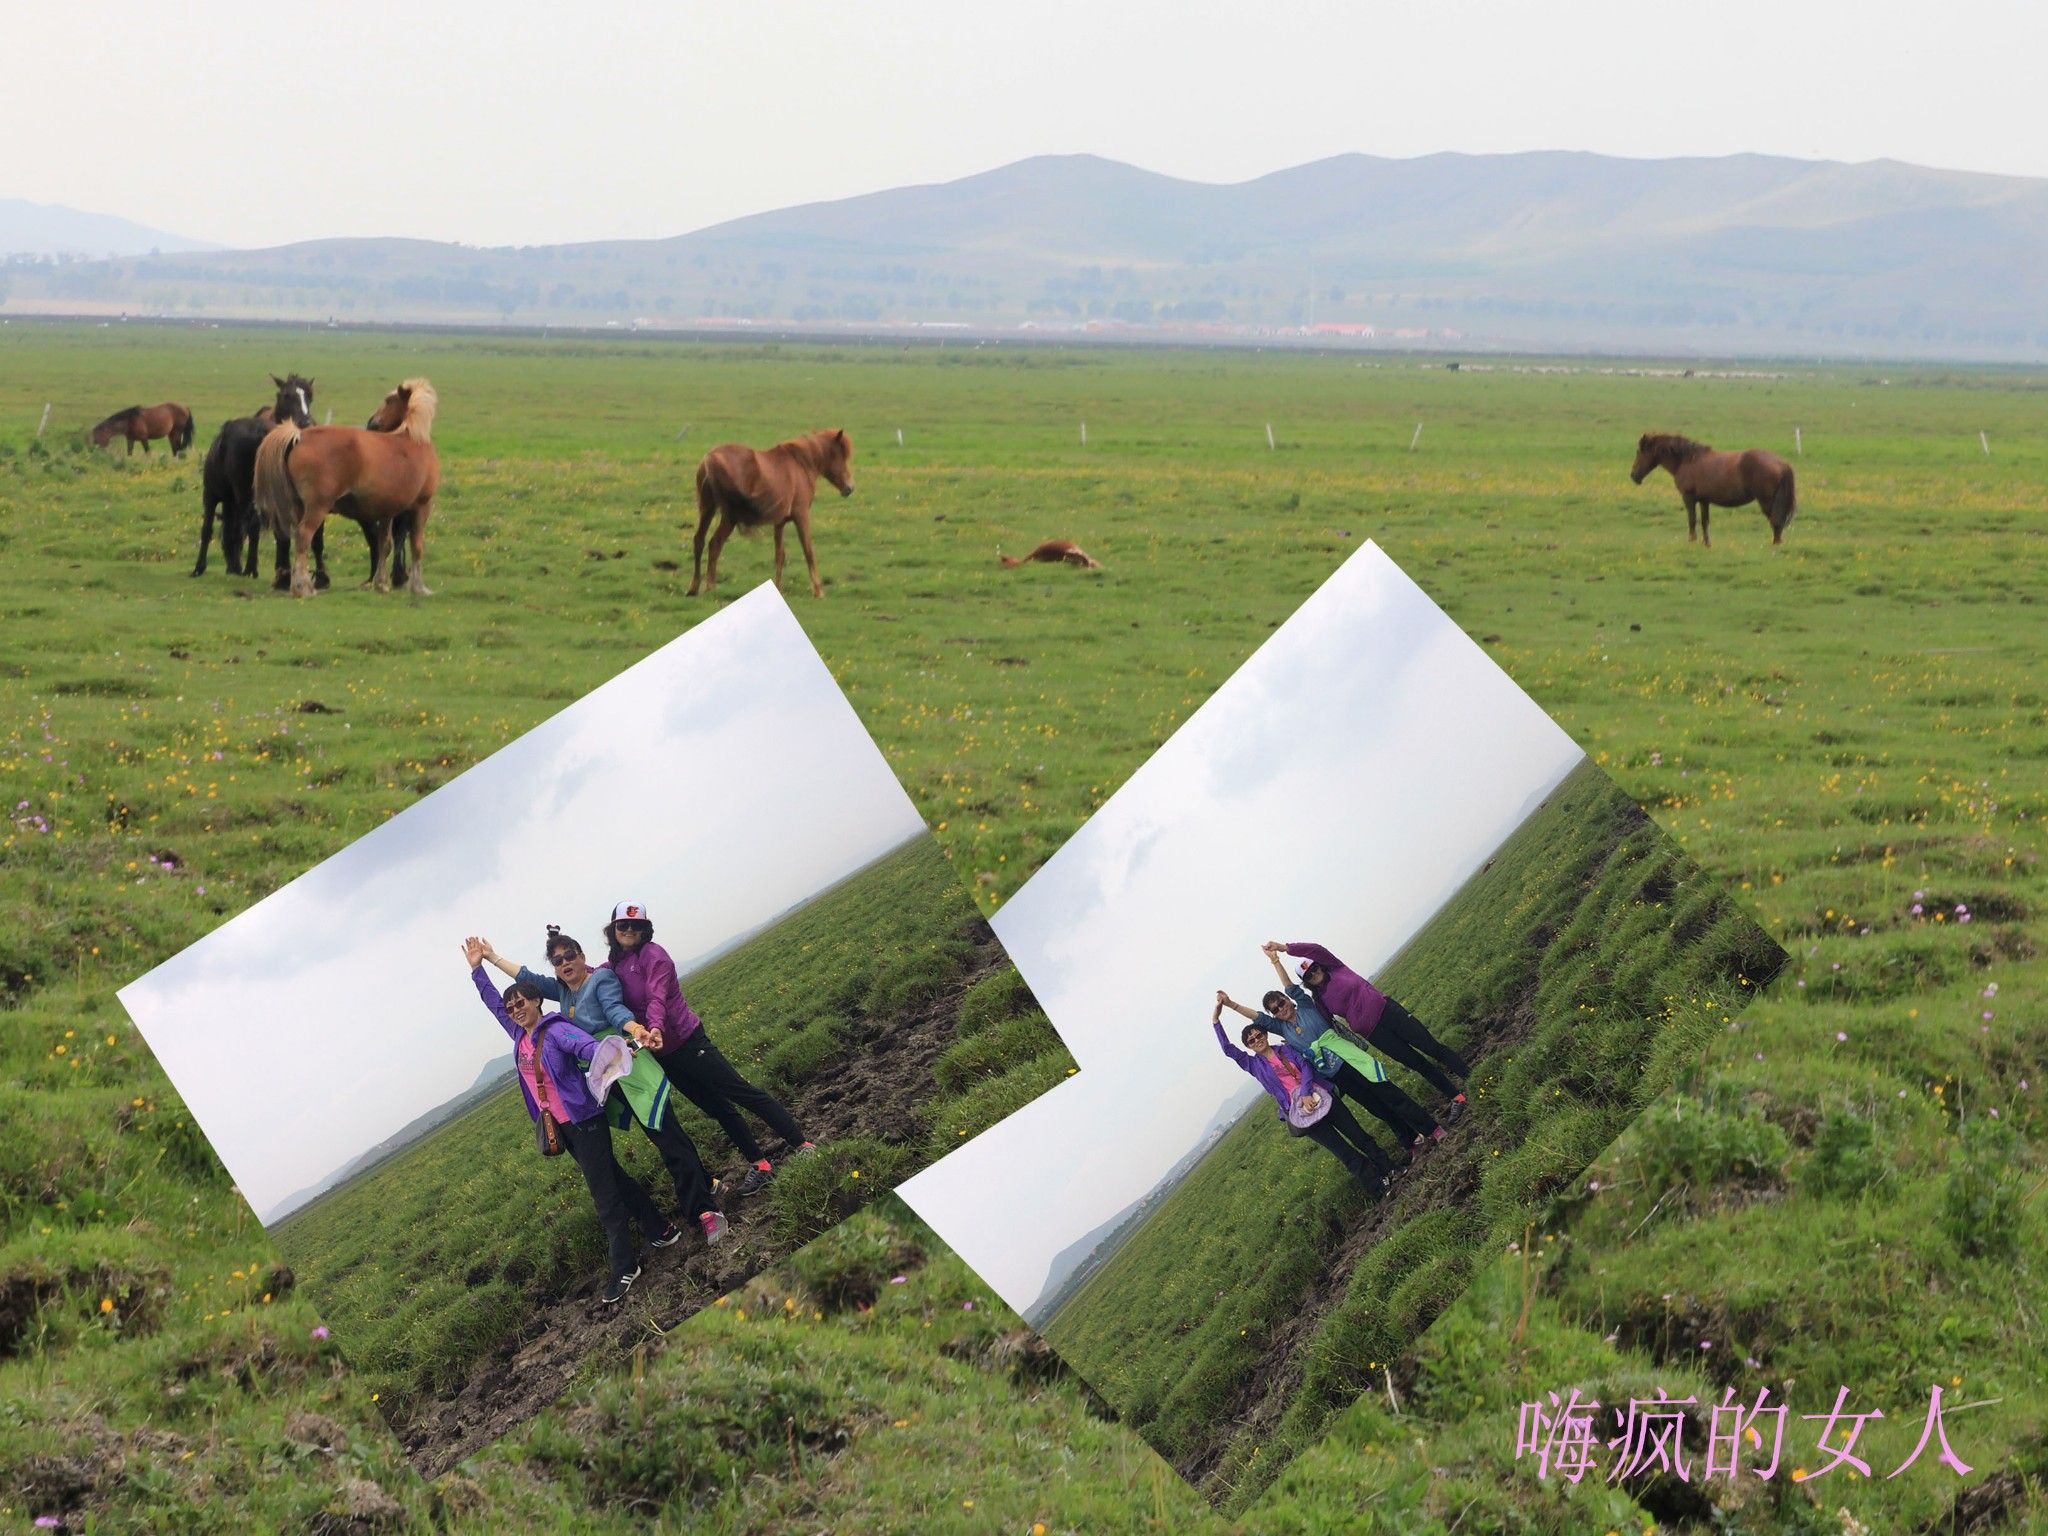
118	417
420	404
1679	447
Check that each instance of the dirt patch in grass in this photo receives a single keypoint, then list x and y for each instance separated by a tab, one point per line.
875	1088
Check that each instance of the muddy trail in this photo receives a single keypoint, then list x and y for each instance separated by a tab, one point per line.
876	1086
1442	1176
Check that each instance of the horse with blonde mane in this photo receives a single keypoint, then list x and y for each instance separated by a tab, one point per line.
751	488
384	471
141	423
1053	552
1706	479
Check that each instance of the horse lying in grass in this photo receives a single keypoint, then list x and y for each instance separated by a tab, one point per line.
1053	552
143	423
751	489
1707	479
385	471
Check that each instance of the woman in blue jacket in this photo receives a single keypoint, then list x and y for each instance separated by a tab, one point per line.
1293	1085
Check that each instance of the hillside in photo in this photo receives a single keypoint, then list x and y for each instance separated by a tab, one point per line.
1739	254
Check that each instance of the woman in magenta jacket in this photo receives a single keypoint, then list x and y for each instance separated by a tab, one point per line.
671	1030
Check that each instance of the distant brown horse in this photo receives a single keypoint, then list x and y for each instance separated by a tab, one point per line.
141	423
750	489
1052	552
1707	479
386	470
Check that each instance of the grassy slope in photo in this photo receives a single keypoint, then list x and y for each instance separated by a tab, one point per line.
1576	973
1828	727
453	1250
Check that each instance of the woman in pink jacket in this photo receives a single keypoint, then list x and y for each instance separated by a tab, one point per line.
670	1028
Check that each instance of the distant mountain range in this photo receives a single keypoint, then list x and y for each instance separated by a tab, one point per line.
1074	1265
496	1073
47	230
1743	254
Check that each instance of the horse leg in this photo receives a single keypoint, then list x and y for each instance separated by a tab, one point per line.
302	547
379	535
705	511
1706	538
206	536
803	533
416	583
725	527
779	527
1692	521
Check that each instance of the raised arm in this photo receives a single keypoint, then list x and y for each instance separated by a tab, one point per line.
1242	1058
473	951
1224	1000
490	956
1272	952
1315	952
549	986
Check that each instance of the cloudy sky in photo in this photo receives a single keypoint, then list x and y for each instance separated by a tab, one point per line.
720	782
1339	788
517	122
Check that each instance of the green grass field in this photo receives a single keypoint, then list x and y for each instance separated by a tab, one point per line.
438	1255
1830	727
1577	973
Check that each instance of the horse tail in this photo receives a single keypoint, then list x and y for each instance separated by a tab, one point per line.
1784	501
277	498
181	430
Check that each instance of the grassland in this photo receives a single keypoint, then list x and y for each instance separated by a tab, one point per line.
1830	727
1577	972
462	1250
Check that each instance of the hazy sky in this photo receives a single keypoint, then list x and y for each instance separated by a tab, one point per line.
337	1009
1338	788
523	122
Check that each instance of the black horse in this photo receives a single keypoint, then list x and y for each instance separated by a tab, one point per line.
227	481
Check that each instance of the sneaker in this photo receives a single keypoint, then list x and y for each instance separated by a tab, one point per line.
621	1284
809	1146
1437	1134
1454	1109
1383	1186
668	1239
1419	1144
755	1178
714	1225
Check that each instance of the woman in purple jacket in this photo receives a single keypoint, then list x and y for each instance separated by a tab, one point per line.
1280	1070
1376	1017
551	1054
671	1029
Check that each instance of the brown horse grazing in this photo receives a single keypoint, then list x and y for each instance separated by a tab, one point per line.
1052	552
750	489
1707	479
141	423
386	470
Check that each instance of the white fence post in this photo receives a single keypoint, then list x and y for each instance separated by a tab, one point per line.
899	437
44	422
1269	434
1985	441
1416	438
1798	444
1084	434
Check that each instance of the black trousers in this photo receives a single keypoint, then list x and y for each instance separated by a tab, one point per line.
618	1196
1402	1037
685	1168
1388	1104
1338	1133
701	1074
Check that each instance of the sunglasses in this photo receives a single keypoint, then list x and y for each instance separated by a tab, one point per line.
558	961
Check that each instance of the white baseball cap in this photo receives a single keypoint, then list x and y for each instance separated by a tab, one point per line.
630	912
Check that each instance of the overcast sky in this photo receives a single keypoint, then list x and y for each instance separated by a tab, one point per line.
718	782
1338	789
521	122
